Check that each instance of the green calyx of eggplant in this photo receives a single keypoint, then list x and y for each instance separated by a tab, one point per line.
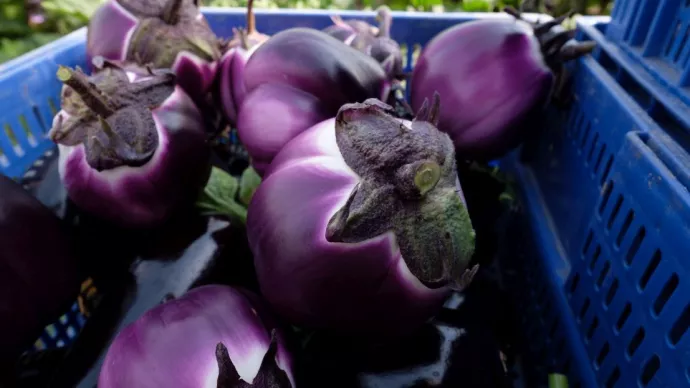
110	115
407	185
159	39
268	376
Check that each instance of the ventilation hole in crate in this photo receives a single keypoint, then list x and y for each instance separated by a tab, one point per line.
603	352
681	47
416	51
623	318
595	258
604	272
593	146
607	169
605	198
406	56
649	370
649	271
53	106
672	39
588	128
624	229
680	326
600	157
592	328
613	378
636	341
588	241
584	308
614	213
635	245
37	115
666	293
10	135
612	293
27	130
574	283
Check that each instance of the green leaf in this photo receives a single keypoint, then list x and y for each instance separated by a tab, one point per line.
249	182
557	380
218	197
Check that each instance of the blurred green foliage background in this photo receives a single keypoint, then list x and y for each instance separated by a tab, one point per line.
28	24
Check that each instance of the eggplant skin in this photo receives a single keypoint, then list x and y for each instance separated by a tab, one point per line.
38	269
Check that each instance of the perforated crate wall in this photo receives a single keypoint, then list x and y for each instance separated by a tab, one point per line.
577	147
630	286
657	33
30	96
627	265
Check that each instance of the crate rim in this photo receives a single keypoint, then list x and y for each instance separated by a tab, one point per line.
78	36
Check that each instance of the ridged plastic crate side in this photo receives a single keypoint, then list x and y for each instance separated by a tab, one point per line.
577	147
30	94
630	286
656	33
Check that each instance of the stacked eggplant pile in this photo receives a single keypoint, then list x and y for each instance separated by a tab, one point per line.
363	212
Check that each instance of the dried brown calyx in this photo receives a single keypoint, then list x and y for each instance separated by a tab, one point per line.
176	28
110	115
407	185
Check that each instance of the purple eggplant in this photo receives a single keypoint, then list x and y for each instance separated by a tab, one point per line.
162	33
212	336
132	144
371	40
230	86
38	270
303	77
494	75
360	226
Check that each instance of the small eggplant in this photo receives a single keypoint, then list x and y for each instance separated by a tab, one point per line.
494	75
212	336
231	90
132	144
162	33
371	40
296	79
39	277
360	226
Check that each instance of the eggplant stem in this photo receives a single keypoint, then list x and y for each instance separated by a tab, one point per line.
251	19
89	93
171	12
385	21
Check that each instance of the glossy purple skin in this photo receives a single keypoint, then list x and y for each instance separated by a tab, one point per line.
364	288
491	75
294	111
109	31
231	88
148	195
327	74
173	344
38	270
319	65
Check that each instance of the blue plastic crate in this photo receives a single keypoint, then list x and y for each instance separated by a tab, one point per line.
657	34
599	261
